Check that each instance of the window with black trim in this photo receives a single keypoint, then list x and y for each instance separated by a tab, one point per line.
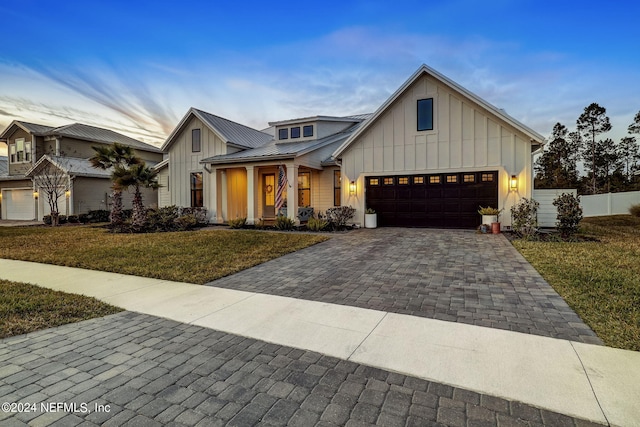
434	179
304	189
307	131
197	200
487	177
425	114
295	132
337	187
418	179
283	134
452	179
388	181
403	180
374	181
195	141
468	177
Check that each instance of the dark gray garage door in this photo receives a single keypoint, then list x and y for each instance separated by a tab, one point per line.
437	200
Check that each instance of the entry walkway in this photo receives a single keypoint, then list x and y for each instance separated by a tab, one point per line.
587	381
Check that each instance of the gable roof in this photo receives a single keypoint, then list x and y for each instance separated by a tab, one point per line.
230	132
426	70
275	151
73	166
80	131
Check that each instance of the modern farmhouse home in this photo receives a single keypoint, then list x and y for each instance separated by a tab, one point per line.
427	157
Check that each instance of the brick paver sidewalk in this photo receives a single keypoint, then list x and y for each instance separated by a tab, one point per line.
150	371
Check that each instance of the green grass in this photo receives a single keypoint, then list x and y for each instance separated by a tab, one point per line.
599	280
27	308
194	257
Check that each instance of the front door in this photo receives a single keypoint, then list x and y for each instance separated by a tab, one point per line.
269	195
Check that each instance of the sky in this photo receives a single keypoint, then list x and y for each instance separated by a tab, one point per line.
136	67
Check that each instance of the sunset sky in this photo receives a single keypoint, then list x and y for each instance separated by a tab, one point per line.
137	66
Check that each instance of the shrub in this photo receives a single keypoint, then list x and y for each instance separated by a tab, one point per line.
74	219
635	210
284	223
238	223
339	216
524	218
200	214
489	211
99	215
186	222
47	219
569	214
317	224
162	219
370	211
83	218
62	219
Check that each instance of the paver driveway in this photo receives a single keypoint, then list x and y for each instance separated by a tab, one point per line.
451	275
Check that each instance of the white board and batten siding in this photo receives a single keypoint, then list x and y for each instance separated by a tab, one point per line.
547	213
183	161
466	137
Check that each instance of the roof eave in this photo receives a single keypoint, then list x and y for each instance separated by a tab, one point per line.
211	161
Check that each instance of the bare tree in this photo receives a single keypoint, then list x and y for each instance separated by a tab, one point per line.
53	181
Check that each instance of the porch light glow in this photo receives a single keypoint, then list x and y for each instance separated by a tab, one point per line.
35	194
514	183
67	194
352	187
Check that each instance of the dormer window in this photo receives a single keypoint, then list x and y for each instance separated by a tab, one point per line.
295	132
307	131
20	151
283	134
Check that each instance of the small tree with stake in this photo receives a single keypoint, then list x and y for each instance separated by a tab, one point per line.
53	181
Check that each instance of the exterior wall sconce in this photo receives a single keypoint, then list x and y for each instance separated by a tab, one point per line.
513	183
67	194
352	188
35	195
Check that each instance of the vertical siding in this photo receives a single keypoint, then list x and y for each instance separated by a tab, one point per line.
164	196
465	137
182	162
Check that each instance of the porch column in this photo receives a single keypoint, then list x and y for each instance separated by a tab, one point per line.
292	191
250	194
212	203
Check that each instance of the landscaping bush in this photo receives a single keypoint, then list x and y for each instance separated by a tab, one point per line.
173	218
569	214
83	218
317	224
237	223
635	210
62	219
99	215
524	218
73	219
339	216
47	219
284	223
200	214
186	222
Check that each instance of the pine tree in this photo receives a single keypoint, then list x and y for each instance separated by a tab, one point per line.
557	167
592	122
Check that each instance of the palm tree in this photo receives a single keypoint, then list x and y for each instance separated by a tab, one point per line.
136	176
114	156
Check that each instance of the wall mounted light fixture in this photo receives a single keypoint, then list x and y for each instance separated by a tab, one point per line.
35	195
67	194
513	183
352	188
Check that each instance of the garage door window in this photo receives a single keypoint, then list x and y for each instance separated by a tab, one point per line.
469	177
452	179
403	180
374	181
487	177
434	180
418	179
388	181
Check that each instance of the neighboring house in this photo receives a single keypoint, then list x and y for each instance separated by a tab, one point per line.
67	148
429	156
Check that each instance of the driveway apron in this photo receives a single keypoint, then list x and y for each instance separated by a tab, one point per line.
450	275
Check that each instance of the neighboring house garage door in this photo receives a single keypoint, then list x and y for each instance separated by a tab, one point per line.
18	204
449	200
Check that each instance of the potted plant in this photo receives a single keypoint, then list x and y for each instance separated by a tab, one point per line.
490	217
370	219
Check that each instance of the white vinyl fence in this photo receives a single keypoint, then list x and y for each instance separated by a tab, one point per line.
609	204
547	213
592	205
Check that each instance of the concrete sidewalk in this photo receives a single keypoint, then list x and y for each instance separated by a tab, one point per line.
581	380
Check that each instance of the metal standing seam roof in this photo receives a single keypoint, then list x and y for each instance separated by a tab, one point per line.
233	132
35	128
92	133
75	166
273	149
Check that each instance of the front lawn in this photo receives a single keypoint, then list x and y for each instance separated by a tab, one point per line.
26	308
599	280
194	256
